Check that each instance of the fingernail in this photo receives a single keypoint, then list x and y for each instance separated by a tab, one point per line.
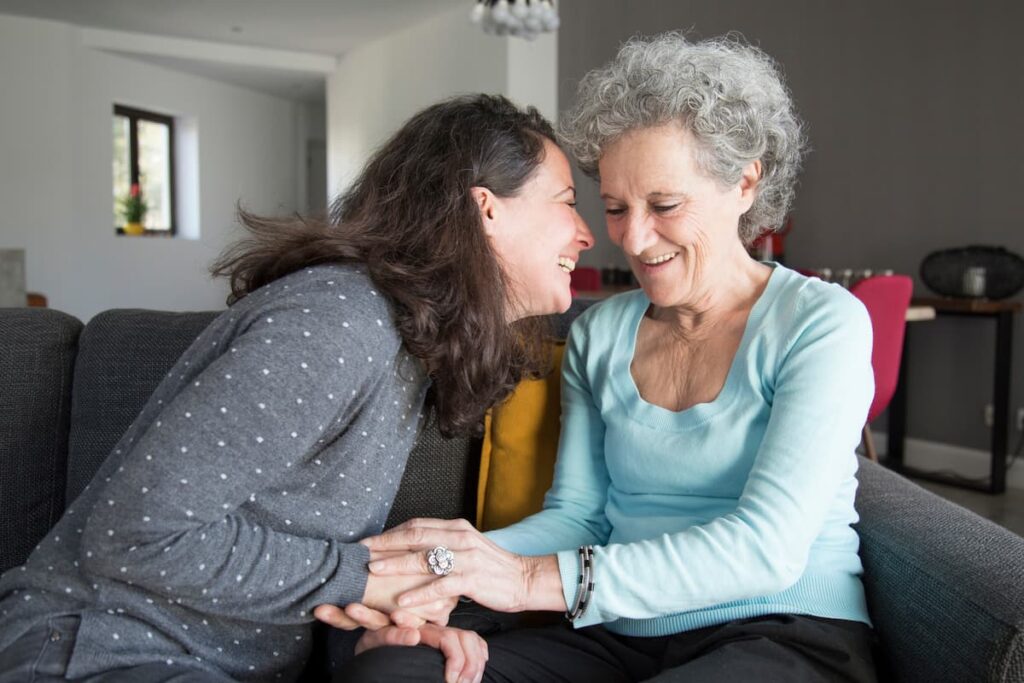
404	601
375	565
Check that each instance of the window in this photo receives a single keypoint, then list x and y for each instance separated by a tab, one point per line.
144	155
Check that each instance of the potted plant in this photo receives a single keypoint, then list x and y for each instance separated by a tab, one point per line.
133	209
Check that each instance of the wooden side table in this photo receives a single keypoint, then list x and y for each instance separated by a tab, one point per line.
1002	312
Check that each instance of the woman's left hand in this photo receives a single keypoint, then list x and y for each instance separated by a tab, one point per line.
465	652
357	615
491	576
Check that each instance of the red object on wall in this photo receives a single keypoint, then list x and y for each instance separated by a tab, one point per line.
771	246
585	279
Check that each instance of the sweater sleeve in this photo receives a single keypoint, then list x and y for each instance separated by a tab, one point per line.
821	394
169	519
573	512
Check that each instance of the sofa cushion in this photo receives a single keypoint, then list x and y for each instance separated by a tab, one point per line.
517	461
122	356
37	355
943	584
440	478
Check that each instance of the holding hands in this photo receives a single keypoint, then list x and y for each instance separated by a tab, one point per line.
383	593
408	599
481	570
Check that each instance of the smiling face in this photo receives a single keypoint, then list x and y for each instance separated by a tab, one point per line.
677	227
537	236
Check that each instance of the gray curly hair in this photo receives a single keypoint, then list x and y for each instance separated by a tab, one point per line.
728	94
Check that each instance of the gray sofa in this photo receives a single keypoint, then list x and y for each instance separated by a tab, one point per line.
945	587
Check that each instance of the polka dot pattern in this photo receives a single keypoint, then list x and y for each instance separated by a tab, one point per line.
276	441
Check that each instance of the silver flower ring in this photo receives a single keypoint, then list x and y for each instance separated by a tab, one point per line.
441	560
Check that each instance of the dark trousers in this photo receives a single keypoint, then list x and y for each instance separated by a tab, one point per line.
780	647
41	656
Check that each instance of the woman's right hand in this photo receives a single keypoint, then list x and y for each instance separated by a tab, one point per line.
382	595
483	571
465	652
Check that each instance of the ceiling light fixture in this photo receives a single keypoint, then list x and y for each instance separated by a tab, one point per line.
523	18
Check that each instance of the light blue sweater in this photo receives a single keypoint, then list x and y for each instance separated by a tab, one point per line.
736	508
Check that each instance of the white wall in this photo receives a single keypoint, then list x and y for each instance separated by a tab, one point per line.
532	73
55	170
379	85
310	136
36	147
55	146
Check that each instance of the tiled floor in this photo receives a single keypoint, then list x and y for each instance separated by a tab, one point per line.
1006	509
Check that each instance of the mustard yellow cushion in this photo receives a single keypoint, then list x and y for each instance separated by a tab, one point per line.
520	442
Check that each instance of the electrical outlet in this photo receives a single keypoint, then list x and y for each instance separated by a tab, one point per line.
990	415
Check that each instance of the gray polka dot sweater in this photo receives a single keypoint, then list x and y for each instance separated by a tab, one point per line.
230	508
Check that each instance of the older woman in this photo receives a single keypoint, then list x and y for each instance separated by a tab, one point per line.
698	527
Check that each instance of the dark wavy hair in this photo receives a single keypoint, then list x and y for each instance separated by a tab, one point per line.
411	219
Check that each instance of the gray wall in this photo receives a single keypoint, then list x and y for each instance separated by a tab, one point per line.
915	112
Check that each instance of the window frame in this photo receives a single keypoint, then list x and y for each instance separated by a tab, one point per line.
134	116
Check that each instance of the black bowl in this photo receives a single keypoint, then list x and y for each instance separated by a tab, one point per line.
946	272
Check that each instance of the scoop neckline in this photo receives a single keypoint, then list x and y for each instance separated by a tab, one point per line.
698	414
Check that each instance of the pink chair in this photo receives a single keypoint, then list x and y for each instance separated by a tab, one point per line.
585	279
887	298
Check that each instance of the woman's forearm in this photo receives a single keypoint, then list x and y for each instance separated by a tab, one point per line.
544	584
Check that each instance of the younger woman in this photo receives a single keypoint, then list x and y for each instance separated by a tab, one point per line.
233	504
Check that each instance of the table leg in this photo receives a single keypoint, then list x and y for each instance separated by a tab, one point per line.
1001	400
898	412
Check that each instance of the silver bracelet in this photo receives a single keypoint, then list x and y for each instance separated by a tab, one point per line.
585	585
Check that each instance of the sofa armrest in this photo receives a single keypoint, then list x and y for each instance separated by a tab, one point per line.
945	587
37	357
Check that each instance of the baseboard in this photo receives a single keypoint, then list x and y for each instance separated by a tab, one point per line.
966	462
